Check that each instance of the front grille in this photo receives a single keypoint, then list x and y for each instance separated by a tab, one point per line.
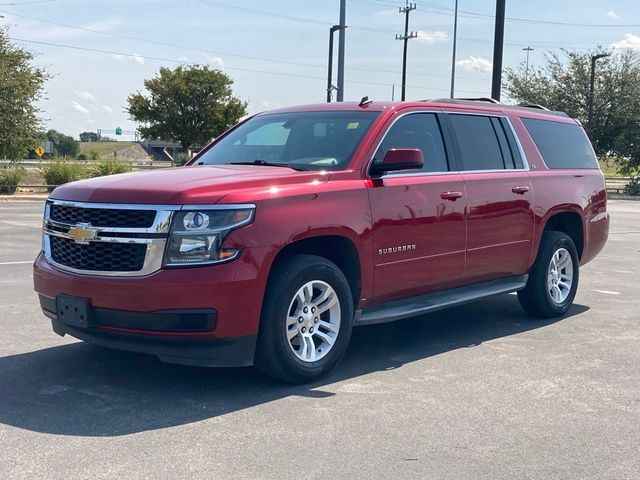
99	256
103	217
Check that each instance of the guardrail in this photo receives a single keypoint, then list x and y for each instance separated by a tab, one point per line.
31	164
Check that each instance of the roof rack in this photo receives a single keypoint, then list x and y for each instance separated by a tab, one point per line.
534	105
476	101
460	100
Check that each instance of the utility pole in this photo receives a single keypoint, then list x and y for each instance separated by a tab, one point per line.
341	39
498	45
526	68
592	85
453	58
405	38
330	86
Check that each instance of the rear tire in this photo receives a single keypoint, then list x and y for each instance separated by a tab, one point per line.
306	321
553	279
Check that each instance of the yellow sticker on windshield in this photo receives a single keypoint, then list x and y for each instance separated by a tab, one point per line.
352	125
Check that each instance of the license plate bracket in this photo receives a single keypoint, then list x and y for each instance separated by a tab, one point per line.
73	311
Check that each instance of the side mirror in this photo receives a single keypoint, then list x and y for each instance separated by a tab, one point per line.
399	159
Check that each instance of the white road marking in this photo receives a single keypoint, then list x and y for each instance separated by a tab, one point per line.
16	263
607	292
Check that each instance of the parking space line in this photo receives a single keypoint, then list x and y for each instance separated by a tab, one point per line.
16	263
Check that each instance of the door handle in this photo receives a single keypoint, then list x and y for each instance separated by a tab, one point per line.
453	196
520	190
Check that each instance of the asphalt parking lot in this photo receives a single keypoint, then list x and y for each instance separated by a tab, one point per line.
478	392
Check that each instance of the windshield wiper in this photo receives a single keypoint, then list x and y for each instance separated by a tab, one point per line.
258	161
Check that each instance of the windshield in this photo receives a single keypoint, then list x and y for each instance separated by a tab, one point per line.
303	140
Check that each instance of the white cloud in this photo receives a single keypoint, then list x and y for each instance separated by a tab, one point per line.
612	14
107	108
629	41
36	31
385	13
431	38
79	108
183	59
270	104
475	64
86	96
135	57
215	61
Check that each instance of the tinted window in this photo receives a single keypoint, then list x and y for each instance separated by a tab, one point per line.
562	145
315	140
478	143
417	130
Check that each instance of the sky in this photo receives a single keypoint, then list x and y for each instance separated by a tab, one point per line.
99	52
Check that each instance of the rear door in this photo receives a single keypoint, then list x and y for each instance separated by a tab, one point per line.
500	218
418	216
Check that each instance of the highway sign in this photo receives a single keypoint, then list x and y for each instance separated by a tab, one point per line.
39	151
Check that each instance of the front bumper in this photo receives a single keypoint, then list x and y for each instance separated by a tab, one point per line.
219	305
230	352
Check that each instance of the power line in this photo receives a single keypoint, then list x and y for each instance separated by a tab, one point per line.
471	14
171	60
15	4
204	50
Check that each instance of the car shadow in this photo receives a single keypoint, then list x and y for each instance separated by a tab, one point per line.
82	390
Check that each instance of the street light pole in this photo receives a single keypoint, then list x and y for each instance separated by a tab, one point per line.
592	84
498	46
453	57
330	86
526	68
341	41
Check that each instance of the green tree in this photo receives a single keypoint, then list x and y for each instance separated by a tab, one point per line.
189	105
88	137
20	87
63	145
563	84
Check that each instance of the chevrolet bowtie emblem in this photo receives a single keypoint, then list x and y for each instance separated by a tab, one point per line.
82	233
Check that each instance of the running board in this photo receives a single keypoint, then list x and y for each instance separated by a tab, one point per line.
410	307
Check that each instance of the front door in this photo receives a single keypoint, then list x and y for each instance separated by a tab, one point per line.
419	228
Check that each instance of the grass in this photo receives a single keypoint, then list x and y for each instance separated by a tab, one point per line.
104	149
610	169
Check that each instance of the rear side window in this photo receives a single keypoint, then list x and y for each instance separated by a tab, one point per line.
562	145
482	142
421	131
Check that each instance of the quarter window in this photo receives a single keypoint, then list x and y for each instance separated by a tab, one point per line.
562	145
421	131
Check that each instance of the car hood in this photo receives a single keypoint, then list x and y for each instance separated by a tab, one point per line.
203	184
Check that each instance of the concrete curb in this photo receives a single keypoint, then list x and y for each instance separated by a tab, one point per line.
24	198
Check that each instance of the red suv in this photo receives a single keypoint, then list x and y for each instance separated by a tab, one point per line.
297	224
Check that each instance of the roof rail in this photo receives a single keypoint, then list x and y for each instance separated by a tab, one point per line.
463	100
534	105
479	99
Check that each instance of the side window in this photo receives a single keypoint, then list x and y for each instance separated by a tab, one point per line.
479	143
417	130
562	145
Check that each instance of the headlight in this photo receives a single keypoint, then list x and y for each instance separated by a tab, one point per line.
196	235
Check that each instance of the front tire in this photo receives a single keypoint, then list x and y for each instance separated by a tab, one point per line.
306	321
553	280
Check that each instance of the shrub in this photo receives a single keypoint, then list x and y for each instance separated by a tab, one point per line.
633	187
10	178
82	156
109	166
59	172
93	155
181	158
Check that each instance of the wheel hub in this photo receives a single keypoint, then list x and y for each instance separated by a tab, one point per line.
314	321
560	275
